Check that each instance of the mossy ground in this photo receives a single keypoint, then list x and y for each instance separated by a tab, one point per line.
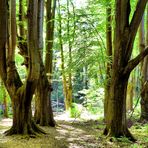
74	133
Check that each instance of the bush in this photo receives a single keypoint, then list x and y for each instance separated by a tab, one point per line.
94	99
75	111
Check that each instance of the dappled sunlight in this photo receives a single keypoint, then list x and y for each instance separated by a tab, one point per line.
84	116
70	133
76	136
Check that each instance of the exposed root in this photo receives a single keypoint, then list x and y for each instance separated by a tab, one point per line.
32	130
130	136
124	133
11	131
105	132
52	123
37	128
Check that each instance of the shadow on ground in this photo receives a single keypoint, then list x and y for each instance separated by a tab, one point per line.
71	134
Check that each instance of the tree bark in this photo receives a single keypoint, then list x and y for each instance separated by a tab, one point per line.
22	117
116	121
109	54
5	102
21	19
12	27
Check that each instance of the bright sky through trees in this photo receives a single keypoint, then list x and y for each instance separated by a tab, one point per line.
80	3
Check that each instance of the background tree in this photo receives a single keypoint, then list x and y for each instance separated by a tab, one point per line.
109	54
63	41
142	43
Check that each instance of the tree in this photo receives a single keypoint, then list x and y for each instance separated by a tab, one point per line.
43	111
66	76
144	88
68	101
20	93
109	54
62	52
124	35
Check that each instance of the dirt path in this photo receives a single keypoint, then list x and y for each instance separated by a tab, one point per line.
69	133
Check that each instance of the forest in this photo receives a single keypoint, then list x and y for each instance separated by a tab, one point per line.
73	73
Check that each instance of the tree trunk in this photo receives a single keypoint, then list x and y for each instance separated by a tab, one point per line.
22	118
144	87
43	111
21	18
69	82
66	77
144	103
5	102
116	119
12	27
109	54
65	89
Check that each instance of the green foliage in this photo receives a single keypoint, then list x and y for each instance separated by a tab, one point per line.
124	139
94	100
21	69
75	111
1	95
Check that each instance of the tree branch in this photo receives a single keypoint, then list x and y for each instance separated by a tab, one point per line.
133	27
134	62
3	39
137	16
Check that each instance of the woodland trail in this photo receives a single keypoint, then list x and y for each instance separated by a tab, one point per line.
70	133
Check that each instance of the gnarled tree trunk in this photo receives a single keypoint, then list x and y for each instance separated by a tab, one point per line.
20	94
22	117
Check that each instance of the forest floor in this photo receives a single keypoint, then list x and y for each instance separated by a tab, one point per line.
73	133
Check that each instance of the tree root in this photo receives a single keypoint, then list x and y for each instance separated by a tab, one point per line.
37	128
32	130
52	123
124	133
11	131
